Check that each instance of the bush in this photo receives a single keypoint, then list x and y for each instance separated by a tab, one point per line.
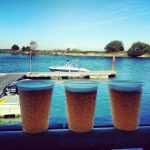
28	48
75	50
138	49
23	48
33	45
114	46
15	47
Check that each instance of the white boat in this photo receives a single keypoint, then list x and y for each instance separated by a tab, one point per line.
70	66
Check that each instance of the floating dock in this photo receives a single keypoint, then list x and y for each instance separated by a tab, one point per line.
71	75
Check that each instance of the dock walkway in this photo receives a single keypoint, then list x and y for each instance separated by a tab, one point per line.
72	75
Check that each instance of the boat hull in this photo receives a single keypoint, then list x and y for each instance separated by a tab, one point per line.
64	70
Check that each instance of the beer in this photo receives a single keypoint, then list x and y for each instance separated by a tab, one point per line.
35	100
125	104
81	99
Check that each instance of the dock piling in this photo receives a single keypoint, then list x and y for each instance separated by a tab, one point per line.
113	63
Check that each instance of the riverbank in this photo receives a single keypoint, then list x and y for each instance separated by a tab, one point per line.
71	53
64	53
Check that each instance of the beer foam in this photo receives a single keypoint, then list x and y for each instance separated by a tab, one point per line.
81	85
126	85
34	85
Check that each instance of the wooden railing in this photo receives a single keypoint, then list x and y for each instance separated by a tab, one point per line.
11	137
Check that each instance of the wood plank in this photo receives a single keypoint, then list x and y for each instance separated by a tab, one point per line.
91	74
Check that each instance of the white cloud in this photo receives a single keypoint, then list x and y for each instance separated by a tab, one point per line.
121	11
70	45
85	46
106	21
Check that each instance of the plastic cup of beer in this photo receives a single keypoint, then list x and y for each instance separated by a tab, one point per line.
81	99
125	99
35	100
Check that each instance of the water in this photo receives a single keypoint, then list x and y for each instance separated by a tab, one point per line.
127	68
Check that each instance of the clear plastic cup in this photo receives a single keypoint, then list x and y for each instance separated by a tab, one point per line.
81	99
35	100
125	96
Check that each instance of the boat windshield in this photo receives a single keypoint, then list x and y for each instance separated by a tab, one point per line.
72	63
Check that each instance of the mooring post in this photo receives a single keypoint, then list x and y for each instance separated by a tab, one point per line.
113	63
30	61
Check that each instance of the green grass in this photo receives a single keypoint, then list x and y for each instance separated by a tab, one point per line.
10	121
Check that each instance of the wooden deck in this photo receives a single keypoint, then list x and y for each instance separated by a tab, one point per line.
6	79
72	75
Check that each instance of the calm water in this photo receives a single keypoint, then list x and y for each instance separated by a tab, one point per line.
127	68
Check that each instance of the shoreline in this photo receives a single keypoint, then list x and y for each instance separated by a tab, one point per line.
72	53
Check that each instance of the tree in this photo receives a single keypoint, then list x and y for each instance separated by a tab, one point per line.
114	46
33	45
68	50
28	48
138	49
75	50
23	48
15	47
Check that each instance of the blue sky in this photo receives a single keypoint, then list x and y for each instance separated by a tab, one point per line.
83	24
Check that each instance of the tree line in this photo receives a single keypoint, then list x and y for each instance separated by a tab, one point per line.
137	48
32	46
